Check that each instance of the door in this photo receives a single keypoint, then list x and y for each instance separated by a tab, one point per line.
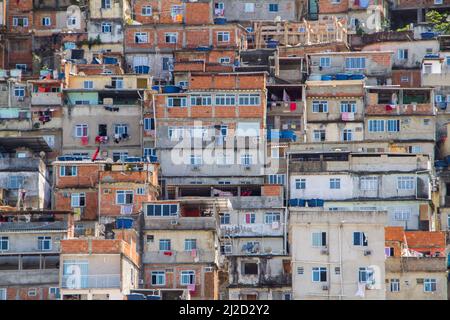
250	297
102	130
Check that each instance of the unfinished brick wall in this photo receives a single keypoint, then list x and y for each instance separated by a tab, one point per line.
21	293
198	13
327	7
413	76
63	202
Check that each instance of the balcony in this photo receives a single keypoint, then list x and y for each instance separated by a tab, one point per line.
285	108
200	256
20	164
46	98
103	281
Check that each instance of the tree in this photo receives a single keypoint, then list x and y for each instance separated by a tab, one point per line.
441	21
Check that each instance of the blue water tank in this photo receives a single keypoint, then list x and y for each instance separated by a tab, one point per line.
273	44
357	77
171	89
428	35
342	76
124	223
293	202
301	202
326	77
220	20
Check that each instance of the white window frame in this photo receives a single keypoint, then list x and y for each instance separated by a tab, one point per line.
376	125
320	106
147	11
317	239
271	217
125	194
187	273
250	99
75	199
223	36
190	244
317	271
171	36
46	21
325	62
4	240
335	183
44	243
88	84
159	275
406	183
64	170
140	37
429	285
368	183
106	27
81	130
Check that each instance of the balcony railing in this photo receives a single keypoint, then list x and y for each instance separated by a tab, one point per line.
46	98
101	281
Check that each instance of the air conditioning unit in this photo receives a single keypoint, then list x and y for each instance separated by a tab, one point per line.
195	168
247	168
141	281
325	288
367	252
106	191
173	222
20	98
324	251
208	269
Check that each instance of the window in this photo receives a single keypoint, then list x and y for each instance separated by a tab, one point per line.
404	78
190	244
140	191
249	7
402	54
250	268
78	200
325	62
106	27
201	100
106	4
426	122
369	183
120	156
225	218
320	106
81	130
335	183
146	11
176	11
319	274
223	36
365	275
167	64
32	292
300	184
225	99
117	82
347	135
171	37
277	178
20	21
250	218
405	183
44	243
19	91
149	124
246	160
4	244
46	21
88	84
376	125
121	129
249	99
187	278
319	239
355	63
360	239
394	285
271	217
161	210
3	295
223	130
348	106
15	182
71	21
158	278
429	285
273	7
124	197
393	125
165	245
21	66
300	270
176	102
196	160
54	291
67	171
319	135
140	37
402	214
224	60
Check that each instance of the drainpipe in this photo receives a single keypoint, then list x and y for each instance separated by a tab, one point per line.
340	262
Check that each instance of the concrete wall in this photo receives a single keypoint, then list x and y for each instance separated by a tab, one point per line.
341	253
234	10
28	242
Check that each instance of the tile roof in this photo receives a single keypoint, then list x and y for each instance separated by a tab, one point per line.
33	226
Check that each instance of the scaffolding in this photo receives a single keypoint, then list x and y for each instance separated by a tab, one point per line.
296	34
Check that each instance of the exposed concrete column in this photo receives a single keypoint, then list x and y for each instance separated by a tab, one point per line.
420	14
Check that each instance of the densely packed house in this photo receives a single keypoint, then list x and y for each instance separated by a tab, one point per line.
224	149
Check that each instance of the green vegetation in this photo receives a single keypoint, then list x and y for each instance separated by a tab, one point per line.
441	21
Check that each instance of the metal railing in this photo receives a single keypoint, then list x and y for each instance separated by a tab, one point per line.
103	281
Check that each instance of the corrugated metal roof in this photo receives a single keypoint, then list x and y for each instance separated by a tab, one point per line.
33	226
